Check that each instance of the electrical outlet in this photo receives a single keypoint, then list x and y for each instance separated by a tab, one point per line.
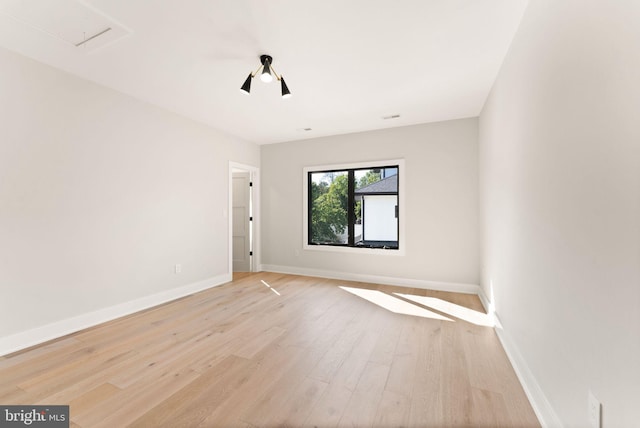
178	268
595	411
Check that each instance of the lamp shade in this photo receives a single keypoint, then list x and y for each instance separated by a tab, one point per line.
285	90
246	87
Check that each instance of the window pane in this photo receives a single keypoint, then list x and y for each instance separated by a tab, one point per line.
376	202
329	196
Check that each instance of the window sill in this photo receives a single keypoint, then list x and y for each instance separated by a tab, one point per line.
355	250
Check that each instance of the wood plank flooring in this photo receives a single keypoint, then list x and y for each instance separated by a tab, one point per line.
318	353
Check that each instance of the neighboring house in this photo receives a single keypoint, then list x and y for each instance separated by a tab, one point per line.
379	213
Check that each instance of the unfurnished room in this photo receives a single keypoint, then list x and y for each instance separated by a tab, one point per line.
270	213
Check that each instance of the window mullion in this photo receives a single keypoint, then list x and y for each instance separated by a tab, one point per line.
351	214
309	210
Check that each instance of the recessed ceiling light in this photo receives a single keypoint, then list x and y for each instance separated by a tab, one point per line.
393	116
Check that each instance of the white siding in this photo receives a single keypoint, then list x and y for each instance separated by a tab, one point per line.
380	222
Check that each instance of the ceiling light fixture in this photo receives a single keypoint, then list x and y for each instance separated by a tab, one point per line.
266	75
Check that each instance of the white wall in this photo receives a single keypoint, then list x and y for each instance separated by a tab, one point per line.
100	196
560	180
441	202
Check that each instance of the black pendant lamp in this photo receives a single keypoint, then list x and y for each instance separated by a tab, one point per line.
246	86
267	74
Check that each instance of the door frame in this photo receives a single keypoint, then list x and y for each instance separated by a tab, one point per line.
254	177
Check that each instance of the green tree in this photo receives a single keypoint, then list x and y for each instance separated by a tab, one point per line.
318	189
369	178
329	209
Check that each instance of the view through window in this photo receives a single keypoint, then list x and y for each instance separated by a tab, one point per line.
355	207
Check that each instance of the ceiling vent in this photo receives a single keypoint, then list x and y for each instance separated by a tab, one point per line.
71	21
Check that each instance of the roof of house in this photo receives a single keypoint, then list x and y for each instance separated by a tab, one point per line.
387	186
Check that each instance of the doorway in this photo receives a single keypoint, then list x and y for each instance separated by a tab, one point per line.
242	218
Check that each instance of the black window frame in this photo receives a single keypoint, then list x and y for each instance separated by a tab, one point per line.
351	215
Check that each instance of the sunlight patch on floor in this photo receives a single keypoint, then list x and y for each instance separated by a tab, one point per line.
269	287
394	304
457	311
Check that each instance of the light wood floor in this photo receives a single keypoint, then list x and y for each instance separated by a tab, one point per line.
240	355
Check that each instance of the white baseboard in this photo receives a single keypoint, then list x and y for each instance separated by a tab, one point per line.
541	406
488	308
63	327
376	279
485	301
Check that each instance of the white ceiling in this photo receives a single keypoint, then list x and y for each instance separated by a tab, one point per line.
347	63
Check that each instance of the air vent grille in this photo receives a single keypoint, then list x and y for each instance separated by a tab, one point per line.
71	21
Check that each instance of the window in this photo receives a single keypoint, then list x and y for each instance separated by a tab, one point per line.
353	206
